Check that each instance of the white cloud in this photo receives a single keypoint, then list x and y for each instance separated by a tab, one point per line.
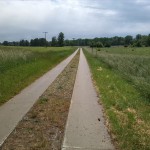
76	18
143	1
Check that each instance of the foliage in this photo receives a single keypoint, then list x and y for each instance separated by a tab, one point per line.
138	41
60	39
38	42
128	40
137	44
24	43
54	41
138	36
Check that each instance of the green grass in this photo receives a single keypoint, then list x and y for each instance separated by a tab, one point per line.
19	66
126	110
134	66
144	51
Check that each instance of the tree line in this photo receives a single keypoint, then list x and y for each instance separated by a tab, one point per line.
137	41
59	41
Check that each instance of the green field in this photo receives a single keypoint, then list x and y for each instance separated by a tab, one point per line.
130	50
122	77
19	66
132	63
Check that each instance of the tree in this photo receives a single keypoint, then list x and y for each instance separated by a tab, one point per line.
148	40
61	39
24	43
6	43
144	40
128	40
54	41
138	36
137	44
32	42
107	44
99	44
67	42
27	43
36	42
42	42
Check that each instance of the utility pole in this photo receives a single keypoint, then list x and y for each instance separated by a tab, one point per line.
73	41
45	38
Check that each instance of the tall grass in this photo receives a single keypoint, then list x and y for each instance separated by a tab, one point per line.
11	58
134	68
133	65
144	51
21	66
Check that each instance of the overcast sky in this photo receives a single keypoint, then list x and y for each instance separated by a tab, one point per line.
26	19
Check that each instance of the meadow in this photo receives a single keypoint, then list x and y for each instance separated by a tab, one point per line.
122	77
132	63
20	66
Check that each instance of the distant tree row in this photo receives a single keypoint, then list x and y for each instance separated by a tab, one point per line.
33	42
59	41
138	41
39	42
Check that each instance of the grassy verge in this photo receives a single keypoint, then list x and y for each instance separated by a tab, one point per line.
21	66
43	126
127	112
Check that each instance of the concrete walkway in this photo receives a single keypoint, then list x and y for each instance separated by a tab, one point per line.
85	127
13	111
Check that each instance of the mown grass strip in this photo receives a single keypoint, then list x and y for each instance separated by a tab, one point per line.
21	66
127	112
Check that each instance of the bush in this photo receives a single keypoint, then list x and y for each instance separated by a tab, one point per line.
99	44
107	45
125	45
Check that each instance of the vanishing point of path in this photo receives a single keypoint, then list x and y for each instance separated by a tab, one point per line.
85	127
14	110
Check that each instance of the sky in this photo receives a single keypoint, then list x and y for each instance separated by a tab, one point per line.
26	19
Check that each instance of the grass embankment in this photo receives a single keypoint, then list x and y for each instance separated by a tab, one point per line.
127	111
43	126
19	66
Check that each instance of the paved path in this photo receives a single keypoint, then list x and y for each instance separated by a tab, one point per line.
13	111
84	130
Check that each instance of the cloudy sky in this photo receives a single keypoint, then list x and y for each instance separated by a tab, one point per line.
26	19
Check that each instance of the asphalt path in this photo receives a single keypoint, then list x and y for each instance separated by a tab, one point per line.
85	127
